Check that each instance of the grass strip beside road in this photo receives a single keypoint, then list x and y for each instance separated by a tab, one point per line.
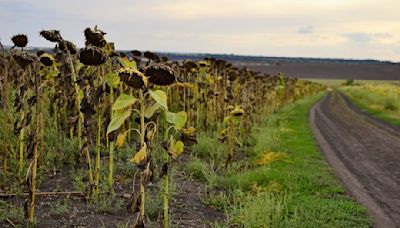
381	100
284	181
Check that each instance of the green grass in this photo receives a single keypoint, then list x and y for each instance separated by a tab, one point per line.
381	100
300	191
335	83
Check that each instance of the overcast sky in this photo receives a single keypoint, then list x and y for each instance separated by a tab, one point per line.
360	29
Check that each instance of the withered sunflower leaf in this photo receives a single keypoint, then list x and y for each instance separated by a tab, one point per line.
140	155
160	97
150	110
176	148
123	101
119	116
121	140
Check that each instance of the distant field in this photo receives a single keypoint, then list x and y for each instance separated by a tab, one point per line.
373	71
340	82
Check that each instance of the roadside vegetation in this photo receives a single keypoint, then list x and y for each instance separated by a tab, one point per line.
281	179
380	100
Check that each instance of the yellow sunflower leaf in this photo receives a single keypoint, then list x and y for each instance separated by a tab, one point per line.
140	155
121	140
176	148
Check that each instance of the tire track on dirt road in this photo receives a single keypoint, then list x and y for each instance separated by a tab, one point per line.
364	153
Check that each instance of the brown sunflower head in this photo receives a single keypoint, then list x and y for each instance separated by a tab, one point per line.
189	65
150	55
164	59
133	78
23	59
237	112
51	35
136	53
95	38
220	63
39	53
160	74
203	64
47	59
20	40
92	56
233	75
67	45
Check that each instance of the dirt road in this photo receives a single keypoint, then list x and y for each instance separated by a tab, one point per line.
364	153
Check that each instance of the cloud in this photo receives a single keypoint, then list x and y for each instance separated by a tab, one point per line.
275	27
362	37
306	30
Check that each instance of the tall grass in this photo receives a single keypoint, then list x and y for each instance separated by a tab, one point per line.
381	100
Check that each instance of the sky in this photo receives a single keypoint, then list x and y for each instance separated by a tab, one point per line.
351	29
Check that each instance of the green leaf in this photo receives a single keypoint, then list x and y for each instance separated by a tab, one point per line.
112	80
177	119
127	64
119	116
123	101
176	148
160	97
150	110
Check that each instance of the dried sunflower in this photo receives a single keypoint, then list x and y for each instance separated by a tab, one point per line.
150	55
47	59
133	78
39	53
164	59
20	40
237	112
232	75
136	53
93	56
95	38
189	64
51	35
68	45
160	74
203	64
23	59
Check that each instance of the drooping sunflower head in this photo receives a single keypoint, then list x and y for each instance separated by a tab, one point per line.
23	59
95	38
189	65
39	53
220	63
67	45
237	112
136	53
92	56
51	35
203	64
133	78
160	74
164	59
233	75
46	59
20	40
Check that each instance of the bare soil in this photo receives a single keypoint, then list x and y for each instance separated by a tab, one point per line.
381	71
186	206
364	153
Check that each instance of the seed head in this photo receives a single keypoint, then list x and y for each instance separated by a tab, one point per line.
160	74
20	40
51	35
